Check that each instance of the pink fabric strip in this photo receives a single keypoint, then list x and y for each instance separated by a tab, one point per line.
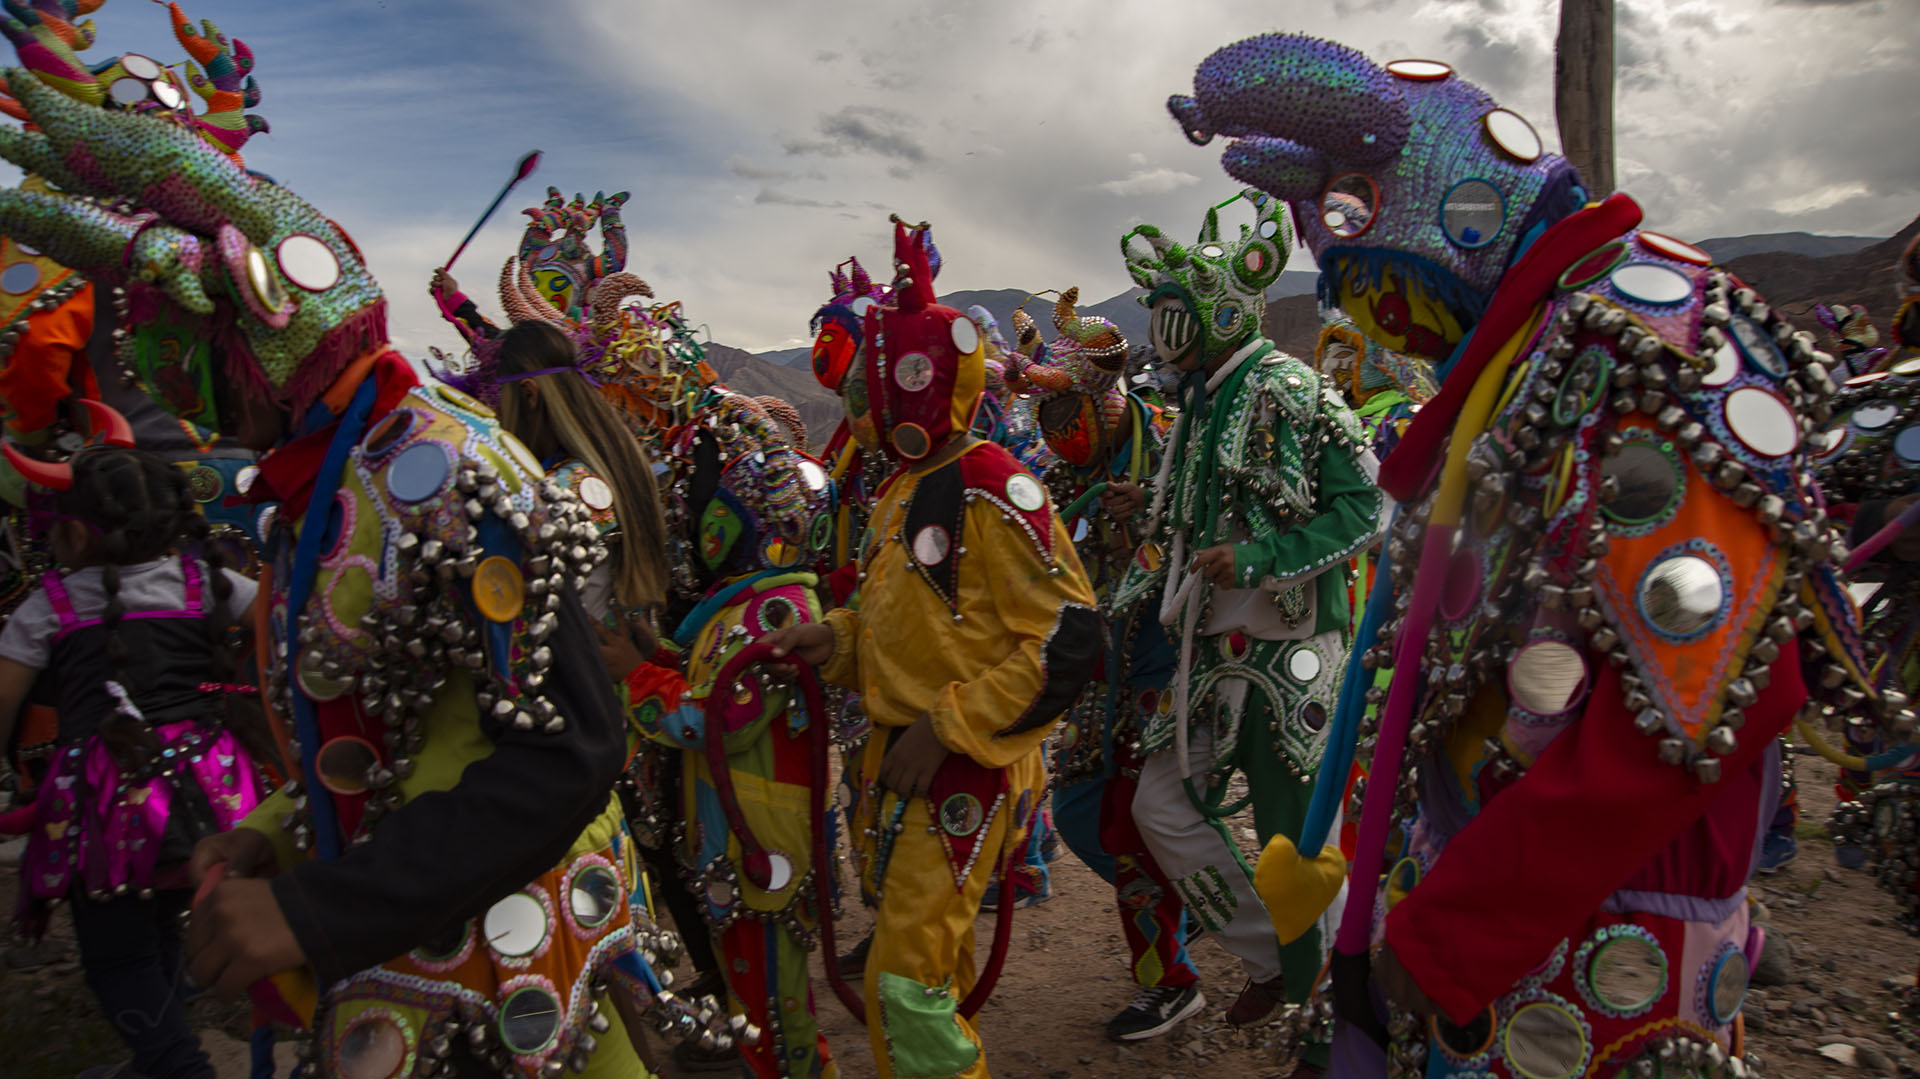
190	574
57	596
1383	781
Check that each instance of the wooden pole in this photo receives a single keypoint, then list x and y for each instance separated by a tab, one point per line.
1583	90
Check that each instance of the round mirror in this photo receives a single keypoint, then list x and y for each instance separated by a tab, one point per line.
385	435
1080	529
720	892
128	92
1419	70
1827	442
1025	492
308	263
779	871
529	1020
1214	251
1582	386
1651	283
1906	444
814	475
1628	974
1349	204
1547	677
861	306
1761	420
1758	346
1726	364
1471	213
596	493
266	287
1674	249
1514	135
515	926
930	545
318	687
1681	596
913	372
1269	228
1463	1042
343	762
19	278
961	815
1873	415
372	1048
1303	664
167	94
1909	366
594	897
1545	1042
140	67
966	336
1594	265
1647	483
418	472
1728	986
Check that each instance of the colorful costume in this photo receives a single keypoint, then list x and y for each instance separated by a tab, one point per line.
441	676
1384	388
1101	435
750	508
1601	608
1265	458
973	611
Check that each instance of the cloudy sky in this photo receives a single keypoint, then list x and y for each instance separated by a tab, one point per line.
764	141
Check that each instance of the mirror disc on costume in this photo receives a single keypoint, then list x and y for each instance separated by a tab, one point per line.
779	871
821	533
1269	229
1511	133
308	263
1472	212
1582	386
19	278
1349	204
515	926
1628	973
1909	366
343	763
499	591
1647	481
389	432
529	1020
266	286
1762	421
1662	244
1545	1041
1726	364
1463	1042
129	91
521	455
1150	556
1906	444
1594	265
1303	664
318	686
594	897
1652	283
966	336
911	440
372	1048
462	399
204	483
596	493
1758	346
419	472
1025	492
913	372
243	479
1547	677
1214	251
720	892
815	475
961	815
140	67
1873	415
449	943
930	545
1727	987
1681	595
1419	70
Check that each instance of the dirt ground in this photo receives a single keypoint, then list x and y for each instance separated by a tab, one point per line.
1066	975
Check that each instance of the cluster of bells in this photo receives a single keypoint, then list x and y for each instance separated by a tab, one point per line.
484	1044
46	301
1885	821
1296	1026
1876	403
415	641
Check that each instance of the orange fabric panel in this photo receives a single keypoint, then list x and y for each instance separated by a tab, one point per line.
48	363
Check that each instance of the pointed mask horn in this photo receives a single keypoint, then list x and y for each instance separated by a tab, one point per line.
1311	92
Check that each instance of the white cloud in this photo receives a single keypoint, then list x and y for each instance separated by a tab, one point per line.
1149	182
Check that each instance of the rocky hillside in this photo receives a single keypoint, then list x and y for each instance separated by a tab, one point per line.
746	373
1793	283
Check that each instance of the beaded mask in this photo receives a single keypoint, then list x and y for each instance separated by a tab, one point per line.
838	325
560	266
1361	368
1208	299
1076	378
742	496
199	243
1410	185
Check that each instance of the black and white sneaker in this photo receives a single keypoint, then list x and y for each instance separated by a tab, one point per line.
1155	1010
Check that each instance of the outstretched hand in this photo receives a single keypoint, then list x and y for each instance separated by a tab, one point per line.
810	643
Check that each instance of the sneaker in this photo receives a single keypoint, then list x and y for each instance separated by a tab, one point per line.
1777	850
1155	1010
1050	848
855	961
1256	1002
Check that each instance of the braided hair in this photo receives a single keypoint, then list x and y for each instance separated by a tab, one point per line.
138	508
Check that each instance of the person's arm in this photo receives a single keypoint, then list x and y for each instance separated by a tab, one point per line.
446	856
842	668
16	681
1349	519
1053	645
47	366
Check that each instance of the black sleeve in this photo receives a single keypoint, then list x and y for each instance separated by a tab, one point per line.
470	314
448	855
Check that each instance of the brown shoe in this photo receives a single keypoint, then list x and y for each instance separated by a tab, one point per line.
1256	1002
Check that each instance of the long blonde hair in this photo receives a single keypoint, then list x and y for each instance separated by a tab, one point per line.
570	417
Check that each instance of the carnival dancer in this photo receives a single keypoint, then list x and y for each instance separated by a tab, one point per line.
1621	569
438	667
149	757
1107	444
749	509
975	629
1264	492
1383	388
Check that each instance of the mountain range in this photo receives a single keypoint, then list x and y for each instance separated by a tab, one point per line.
1793	270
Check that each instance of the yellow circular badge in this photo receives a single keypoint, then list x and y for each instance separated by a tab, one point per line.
498	589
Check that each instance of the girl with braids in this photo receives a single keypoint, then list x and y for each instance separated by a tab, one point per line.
152	752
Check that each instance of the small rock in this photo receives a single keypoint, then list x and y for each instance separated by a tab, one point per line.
1870	1059
1776	961
1802	1008
1086	1060
1830	965
1840	1052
